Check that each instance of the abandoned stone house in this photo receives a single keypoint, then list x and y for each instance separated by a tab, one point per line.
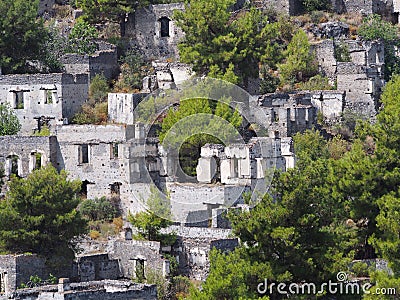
108	263
360	79
103	61
43	99
154	32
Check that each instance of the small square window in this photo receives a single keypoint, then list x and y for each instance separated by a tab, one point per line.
83	154
114	151
48	97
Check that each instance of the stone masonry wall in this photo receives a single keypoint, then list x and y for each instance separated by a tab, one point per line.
101	62
17	269
145	27
102	167
93	290
55	96
127	252
188	201
25	149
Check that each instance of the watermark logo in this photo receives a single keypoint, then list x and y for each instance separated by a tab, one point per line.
343	286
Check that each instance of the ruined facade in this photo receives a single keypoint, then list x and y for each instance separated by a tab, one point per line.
104	61
102	289
361	79
21	155
155	32
17	269
109	160
284	114
43	99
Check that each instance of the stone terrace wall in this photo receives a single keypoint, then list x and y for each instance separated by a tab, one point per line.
290	7
188	202
92	290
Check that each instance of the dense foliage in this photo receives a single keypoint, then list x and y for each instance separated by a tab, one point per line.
95	110
209	117
39	213
9	123
22	37
338	204
81	38
226	46
300	63
98	209
133	70
313	5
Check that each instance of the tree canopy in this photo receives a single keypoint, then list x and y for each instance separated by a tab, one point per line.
195	123
300	62
23	35
9	123
339	204
39	213
224	45
81	38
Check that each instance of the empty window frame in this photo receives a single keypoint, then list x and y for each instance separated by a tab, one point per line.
48	96
114	151
83	154
115	188
36	161
164	26
19	100
140	270
13	165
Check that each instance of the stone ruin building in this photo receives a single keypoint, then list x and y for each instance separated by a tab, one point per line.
361	79
43	99
103	61
118	160
16	271
154	32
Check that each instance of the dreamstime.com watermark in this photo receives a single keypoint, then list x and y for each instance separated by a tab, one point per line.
342	287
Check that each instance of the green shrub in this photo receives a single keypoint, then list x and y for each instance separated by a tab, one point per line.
342	52
133	70
300	62
269	83
98	209
95	111
81	39
316	83
313	5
